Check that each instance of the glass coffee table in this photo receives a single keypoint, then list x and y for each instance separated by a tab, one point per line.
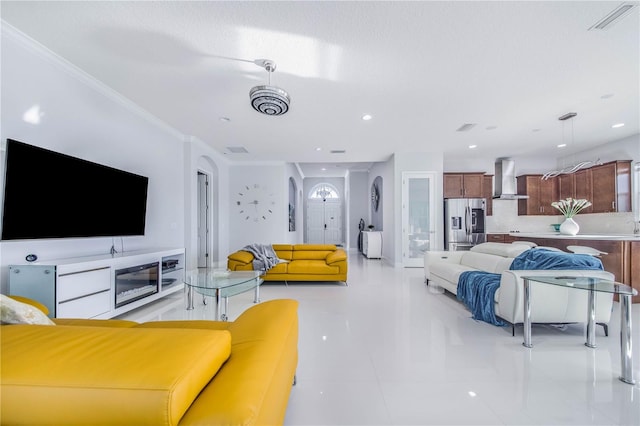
592	285
221	285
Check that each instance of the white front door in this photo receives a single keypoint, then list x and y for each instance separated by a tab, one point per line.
324	222
418	216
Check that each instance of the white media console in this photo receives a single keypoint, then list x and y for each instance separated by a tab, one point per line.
102	286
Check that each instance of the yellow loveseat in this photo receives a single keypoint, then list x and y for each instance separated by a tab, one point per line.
117	372
299	262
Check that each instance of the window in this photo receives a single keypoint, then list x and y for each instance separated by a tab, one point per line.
324	191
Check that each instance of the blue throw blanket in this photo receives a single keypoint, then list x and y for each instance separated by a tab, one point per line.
265	257
550	259
477	289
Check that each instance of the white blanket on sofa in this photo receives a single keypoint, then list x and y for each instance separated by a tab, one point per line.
265	257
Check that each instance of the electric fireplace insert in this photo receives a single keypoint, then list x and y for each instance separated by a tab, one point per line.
136	283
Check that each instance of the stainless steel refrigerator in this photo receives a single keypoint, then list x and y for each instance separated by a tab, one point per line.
464	225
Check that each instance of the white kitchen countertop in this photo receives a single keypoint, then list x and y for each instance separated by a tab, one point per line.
608	237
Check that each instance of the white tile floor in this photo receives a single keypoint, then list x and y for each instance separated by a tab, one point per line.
387	350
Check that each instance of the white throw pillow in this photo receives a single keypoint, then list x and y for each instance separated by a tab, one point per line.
14	312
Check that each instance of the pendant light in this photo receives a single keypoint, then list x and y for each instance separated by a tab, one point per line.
573	168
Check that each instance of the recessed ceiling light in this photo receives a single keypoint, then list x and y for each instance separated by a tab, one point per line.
318	149
323	169
225	119
562	145
615	126
473	146
367	117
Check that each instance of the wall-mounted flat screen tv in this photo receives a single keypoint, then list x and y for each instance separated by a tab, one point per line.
52	195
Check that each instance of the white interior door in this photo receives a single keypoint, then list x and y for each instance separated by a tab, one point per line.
203	220
324	222
418	216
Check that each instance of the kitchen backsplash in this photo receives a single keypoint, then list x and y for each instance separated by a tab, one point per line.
505	219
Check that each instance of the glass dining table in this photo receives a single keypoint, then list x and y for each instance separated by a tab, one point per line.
221	285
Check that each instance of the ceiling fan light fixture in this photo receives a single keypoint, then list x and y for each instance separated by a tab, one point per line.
267	99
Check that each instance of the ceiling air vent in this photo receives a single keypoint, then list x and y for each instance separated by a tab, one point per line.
237	150
466	127
614	17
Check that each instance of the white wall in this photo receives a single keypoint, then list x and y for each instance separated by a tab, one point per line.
622	149
359	204
483	164
85	119
271	178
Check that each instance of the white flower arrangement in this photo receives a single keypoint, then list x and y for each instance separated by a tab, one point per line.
570	207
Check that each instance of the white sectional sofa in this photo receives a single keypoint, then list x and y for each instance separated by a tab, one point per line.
549	304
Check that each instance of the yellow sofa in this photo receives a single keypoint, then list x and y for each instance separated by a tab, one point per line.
300	262
117	372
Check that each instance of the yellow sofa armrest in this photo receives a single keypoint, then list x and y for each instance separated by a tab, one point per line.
31	302
336	256
240	261
241	256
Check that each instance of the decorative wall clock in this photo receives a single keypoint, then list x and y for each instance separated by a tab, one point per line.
255	203
375	197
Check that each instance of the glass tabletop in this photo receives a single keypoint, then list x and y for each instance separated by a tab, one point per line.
586	283
225	283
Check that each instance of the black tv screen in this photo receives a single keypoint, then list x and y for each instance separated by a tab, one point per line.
52	195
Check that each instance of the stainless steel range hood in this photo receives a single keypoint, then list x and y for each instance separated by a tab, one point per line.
505	180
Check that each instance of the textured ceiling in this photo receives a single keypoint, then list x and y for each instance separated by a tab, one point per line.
422	69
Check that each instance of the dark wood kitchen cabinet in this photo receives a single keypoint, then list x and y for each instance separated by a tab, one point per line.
583	187
541	194
576	185
463	185
566	186
487	188
611	186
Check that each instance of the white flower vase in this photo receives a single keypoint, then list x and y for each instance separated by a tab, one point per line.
569	227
